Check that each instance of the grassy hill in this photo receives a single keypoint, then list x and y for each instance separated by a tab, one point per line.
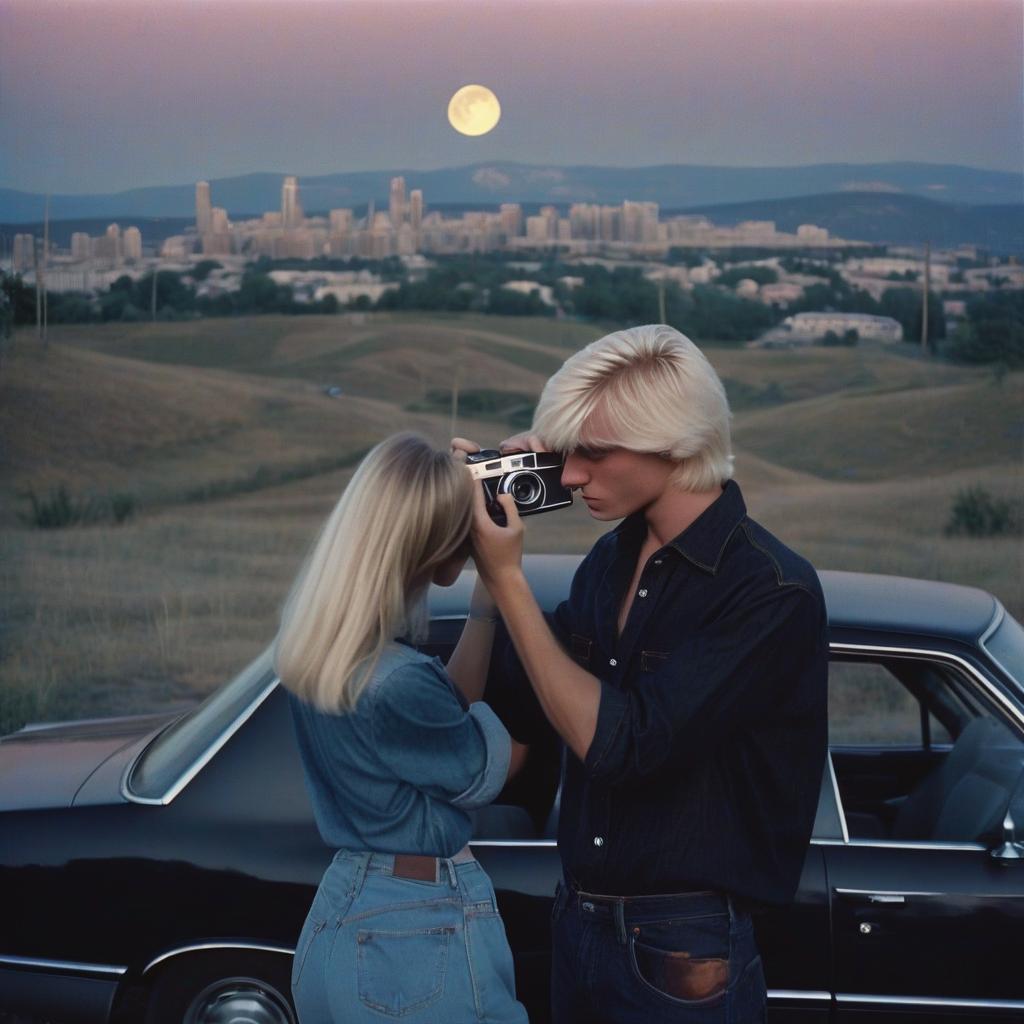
222	432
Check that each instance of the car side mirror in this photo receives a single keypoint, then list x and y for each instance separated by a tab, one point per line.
1010	851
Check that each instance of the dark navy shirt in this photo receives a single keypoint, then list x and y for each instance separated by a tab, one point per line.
707	762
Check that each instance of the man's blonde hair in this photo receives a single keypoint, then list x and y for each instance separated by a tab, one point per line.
406	510
646	389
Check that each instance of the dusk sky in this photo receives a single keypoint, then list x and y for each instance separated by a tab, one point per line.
100	96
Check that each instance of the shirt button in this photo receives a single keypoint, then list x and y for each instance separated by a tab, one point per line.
643	593
598	841
612	662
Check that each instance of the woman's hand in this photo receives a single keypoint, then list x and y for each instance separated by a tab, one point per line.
497	550
462	447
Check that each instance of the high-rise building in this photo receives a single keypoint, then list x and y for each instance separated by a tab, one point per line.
511	219
109	246
538	229
340	221
611	224
218	241
416	211
203	208
23	253
81	245
291	210
396	207
132	244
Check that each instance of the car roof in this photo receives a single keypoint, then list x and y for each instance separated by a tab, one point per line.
855	600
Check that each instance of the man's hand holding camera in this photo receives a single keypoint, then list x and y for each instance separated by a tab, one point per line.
568	694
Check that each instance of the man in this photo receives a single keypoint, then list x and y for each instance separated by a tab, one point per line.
685	673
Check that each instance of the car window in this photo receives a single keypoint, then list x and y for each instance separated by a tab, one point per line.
869	705
921	752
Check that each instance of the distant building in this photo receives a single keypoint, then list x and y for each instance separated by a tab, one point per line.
416	214
204	211
131	242
81	245
396	207
545	291
23	253
812	234
511	215
809	327
340	221
291	210
538	229
109	246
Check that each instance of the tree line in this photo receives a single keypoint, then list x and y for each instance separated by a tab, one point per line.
992	331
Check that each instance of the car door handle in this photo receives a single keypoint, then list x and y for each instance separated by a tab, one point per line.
874	897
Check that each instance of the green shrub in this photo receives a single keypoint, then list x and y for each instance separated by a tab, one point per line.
60	508
977	513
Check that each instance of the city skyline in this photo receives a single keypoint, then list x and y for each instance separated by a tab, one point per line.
105	95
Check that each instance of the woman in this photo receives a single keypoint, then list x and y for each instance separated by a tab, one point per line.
397	749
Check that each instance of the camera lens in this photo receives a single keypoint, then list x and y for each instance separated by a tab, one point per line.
527	489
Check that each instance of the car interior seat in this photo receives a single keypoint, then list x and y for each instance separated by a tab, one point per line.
963	799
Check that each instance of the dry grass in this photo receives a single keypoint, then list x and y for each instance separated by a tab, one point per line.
103	619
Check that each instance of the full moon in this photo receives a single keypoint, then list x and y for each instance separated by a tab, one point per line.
474	110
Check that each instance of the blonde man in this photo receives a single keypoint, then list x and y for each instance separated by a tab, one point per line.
685	673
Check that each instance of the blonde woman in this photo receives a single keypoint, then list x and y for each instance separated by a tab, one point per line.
397	748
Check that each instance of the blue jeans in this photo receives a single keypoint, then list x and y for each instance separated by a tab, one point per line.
654	960
378	947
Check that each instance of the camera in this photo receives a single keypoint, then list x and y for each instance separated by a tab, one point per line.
534	479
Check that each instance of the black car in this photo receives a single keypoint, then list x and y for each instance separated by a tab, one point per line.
160	867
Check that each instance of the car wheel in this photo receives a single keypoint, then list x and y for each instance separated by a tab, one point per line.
223	988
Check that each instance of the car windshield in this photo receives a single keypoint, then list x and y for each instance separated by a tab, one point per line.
196	736
1006	645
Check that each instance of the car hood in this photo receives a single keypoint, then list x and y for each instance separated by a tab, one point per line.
46	765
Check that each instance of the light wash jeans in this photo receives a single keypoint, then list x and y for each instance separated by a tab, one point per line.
378	947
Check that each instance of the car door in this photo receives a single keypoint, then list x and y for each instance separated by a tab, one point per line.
925	919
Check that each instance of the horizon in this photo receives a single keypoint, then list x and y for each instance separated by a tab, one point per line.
110	95
525	163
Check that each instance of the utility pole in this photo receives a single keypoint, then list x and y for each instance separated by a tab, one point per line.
46	259
455	395
924	300
39	294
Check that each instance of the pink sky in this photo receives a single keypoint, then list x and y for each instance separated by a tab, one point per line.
101	96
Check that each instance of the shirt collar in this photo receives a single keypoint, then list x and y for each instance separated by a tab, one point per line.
704	540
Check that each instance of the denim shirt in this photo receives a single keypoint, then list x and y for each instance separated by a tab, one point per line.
707	760
400	772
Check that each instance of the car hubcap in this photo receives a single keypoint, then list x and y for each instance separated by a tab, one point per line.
240	1001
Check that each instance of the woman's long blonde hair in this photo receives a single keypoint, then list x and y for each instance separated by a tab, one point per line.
407	508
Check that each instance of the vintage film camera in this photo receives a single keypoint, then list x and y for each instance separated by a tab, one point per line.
534	479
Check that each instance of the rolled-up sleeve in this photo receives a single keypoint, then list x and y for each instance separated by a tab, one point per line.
716	683
423	734
490	781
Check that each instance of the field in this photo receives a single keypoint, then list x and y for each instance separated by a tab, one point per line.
223	435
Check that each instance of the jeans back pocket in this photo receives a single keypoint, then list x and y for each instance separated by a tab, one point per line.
402	972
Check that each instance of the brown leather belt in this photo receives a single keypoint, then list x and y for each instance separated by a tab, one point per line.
423	868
